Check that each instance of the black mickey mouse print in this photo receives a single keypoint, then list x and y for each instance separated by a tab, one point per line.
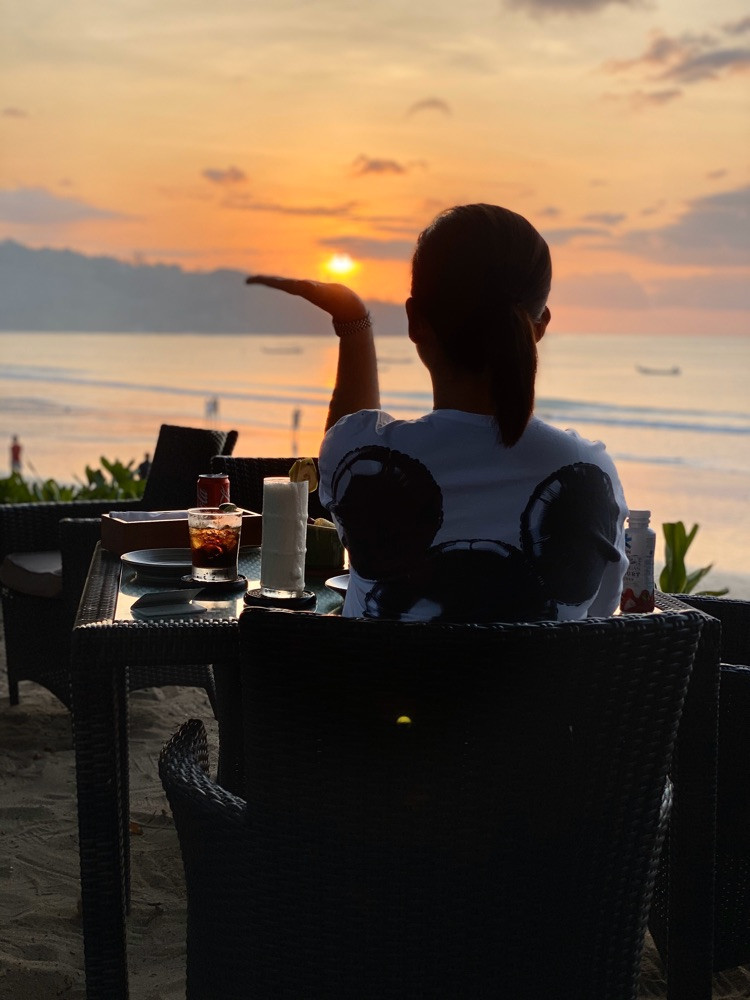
556	535
568	530
389	508
477	580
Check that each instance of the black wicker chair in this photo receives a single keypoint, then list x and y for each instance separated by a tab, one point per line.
37	628
450	812
732	885
246	477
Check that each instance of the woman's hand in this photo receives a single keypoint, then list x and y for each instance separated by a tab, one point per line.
341	302
356	386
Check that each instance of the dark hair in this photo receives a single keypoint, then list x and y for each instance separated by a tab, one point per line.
481	275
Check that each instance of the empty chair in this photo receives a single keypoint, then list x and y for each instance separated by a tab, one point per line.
432	810
180	456
38	600
731	945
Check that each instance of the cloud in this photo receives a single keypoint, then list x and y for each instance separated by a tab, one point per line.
619	290
368	165
567	6
714	231
323	211
613	290
708	65
232	175
661	50
559	237
37	206
737	27
369	249
702	291
429	104
653	209
15	113
605	218
716	175
548	212
640	99
684	59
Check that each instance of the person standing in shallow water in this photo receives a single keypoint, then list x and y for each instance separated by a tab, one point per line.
15	454
145	467
479	510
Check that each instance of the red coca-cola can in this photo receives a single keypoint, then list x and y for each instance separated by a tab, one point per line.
213	489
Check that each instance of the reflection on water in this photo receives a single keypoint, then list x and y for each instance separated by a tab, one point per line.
682	443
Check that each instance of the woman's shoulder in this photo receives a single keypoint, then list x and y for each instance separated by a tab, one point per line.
360	422
379	425
353	431
567	444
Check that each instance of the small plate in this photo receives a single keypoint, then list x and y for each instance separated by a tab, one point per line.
159	564
338	583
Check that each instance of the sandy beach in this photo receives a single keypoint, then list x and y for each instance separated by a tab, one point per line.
41	949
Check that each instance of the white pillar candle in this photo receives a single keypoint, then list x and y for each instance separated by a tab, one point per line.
282	550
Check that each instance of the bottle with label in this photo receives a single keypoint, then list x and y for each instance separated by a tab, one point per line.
640	542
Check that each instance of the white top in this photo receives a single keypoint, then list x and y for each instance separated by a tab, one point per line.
443	522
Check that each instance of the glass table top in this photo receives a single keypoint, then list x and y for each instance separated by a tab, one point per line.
223	605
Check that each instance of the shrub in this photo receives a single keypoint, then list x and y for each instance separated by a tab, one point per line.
674	578
113	481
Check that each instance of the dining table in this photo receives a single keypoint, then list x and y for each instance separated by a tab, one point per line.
109	634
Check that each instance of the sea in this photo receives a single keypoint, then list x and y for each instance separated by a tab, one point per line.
674	411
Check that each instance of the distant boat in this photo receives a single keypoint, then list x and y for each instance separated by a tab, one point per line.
674	370
288	349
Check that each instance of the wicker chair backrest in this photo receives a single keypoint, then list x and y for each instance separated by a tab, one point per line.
434	810
734	616
180	456
246	477
732	889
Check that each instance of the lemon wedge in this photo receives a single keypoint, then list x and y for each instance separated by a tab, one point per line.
304	469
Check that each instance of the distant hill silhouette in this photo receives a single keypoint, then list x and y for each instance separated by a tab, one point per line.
65	290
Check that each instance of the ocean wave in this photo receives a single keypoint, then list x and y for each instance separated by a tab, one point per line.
698	420
405	403
622	456
623	419
290	394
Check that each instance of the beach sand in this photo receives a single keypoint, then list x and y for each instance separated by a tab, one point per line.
41	948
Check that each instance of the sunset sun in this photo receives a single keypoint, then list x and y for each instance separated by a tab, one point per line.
340	264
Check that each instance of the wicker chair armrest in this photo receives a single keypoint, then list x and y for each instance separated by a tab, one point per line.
77	541
184	771
33	527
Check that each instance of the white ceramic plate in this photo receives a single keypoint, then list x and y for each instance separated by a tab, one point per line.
159	563
338	583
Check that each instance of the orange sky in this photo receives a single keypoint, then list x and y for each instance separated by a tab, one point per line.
270	137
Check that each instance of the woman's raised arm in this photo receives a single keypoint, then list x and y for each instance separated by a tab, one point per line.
356	386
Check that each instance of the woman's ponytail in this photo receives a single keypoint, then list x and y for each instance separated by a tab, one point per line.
512	359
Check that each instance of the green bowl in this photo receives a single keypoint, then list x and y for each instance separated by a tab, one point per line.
324	549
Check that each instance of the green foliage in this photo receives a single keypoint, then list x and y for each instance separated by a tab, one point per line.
113	481
122	484
674	578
